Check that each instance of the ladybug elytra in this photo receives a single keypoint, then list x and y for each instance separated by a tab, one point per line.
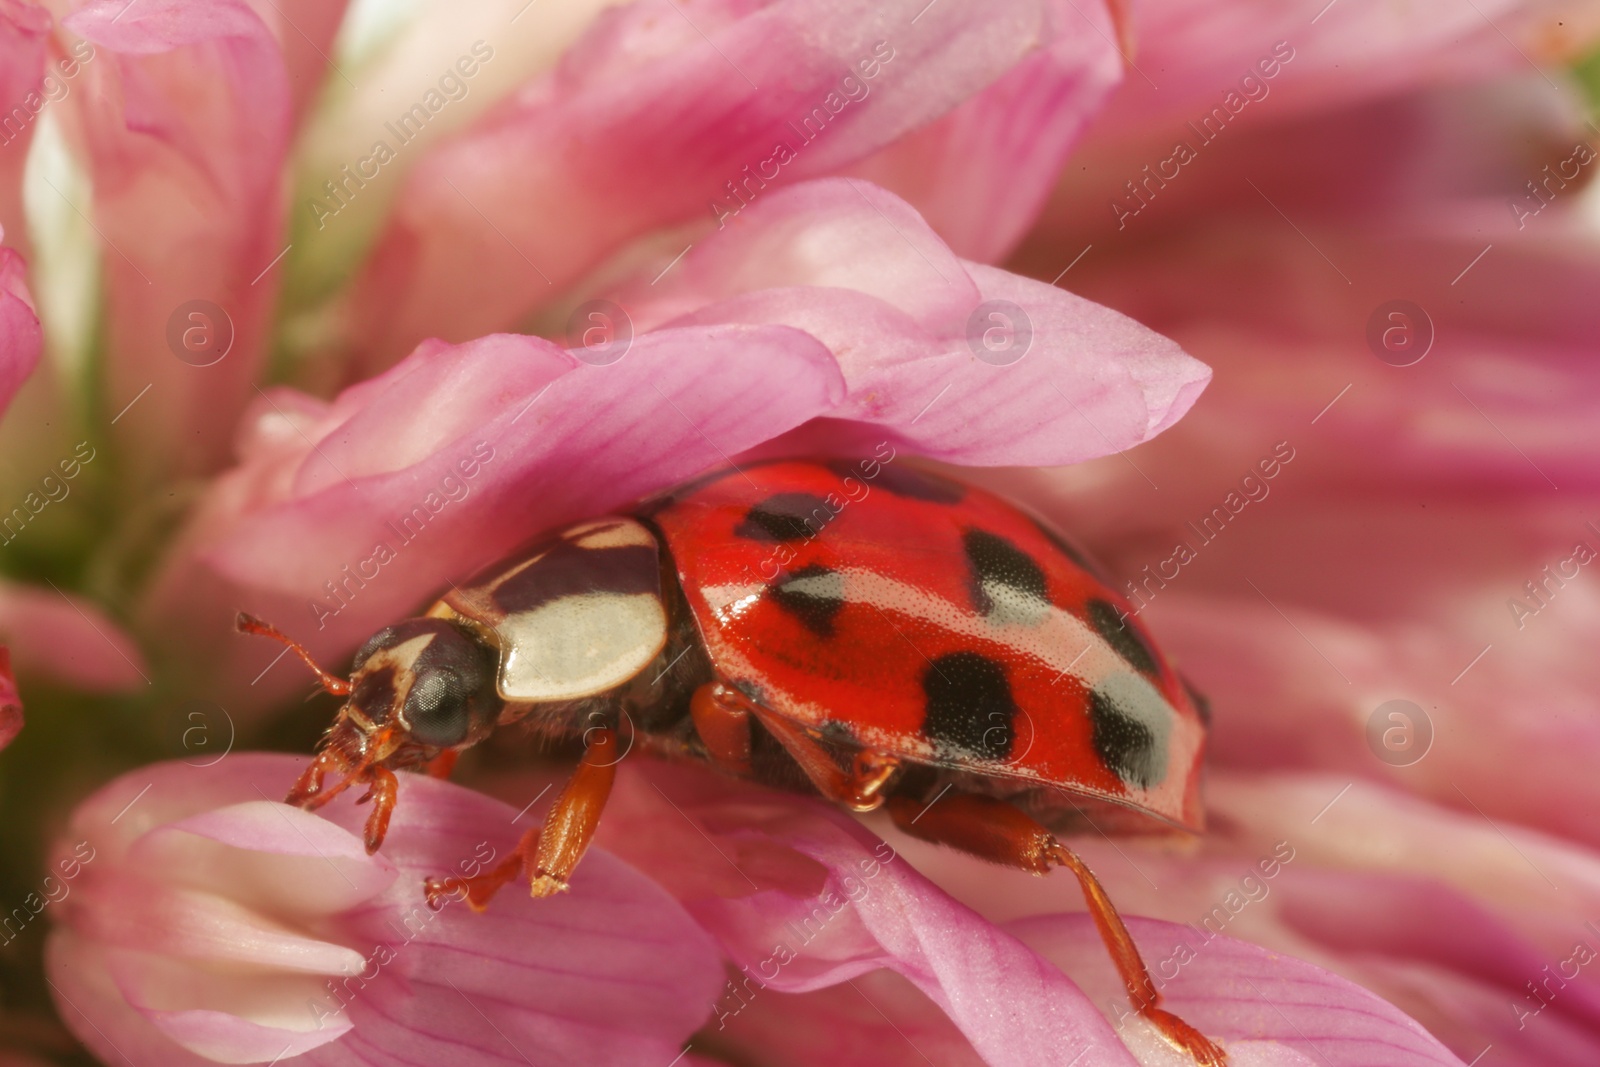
869	631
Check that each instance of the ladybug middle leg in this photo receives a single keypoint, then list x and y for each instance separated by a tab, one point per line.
722	717
547	854
1000	833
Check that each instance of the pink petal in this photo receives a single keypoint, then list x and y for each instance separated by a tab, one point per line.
147	916
857	268
10	701
271	857
829	234
1514	870
542	447
24	32
466	254
1191	53
98	1011
185	113
21	338
305	30
69	640
980	173
613	972
1467	729
1406	155
876	1018
1268	1009
803	898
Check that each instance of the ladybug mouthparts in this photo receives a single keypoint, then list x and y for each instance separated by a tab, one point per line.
355	757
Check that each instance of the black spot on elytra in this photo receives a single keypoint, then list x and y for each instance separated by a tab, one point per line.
919	485
1118	631
813	595
849	468
995	561
1123	743
970	707
567	569
785	517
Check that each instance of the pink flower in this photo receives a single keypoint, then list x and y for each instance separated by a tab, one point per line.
201	922
20	337
517	265
68	640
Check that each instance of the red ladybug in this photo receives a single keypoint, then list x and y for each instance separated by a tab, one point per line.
864	630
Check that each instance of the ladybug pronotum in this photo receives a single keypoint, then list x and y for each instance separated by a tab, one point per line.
868	631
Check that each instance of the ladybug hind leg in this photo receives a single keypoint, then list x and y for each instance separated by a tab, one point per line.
998	832
547	854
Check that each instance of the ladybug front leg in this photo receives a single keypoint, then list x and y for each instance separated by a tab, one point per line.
442	764
998	832
547	855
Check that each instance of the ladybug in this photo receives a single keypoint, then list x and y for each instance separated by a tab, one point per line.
868	631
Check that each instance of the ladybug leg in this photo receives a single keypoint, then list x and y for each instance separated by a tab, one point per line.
382	789
1000	833
478	889
570	825
547	855
860	788
442	764
722	719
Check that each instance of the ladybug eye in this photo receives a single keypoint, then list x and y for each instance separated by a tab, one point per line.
436	709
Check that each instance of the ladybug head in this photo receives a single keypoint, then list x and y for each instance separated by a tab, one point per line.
419	690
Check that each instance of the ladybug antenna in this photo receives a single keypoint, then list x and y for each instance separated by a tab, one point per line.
249	624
